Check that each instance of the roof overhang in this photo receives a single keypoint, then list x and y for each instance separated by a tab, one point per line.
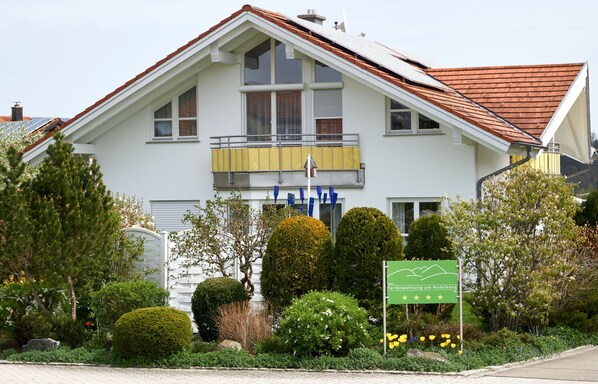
570	124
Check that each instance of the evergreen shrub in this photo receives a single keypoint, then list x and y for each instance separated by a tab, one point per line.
116	299
154	333
429	240
324	323
208	297
364	238
297	260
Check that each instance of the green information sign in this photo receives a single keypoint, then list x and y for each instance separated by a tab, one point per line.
422	282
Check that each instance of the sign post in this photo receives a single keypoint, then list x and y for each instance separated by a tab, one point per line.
422	282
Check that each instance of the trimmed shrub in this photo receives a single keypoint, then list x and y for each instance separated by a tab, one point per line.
364	238
208	297
153	333
429	240
322	323
116	299
297	260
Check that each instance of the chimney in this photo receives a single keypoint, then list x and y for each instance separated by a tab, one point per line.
17	112
313	17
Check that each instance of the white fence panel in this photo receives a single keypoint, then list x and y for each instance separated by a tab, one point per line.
153	258
169	271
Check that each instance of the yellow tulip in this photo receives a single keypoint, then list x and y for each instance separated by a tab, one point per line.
453	345
422	338
432	337
460	352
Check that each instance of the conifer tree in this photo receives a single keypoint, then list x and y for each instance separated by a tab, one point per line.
77	230
16	228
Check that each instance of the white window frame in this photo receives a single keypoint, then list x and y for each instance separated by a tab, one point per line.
308	86
416	208
415	130
174	100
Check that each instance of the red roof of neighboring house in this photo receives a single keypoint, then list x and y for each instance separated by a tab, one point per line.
481	104
527	96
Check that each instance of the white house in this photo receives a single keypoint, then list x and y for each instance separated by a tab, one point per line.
243	104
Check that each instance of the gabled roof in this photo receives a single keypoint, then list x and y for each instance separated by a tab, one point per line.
481	105
527	96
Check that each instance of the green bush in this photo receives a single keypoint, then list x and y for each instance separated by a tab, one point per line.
428	240
153	332
297	260
324	323
19	313
208	297
365	237
116	299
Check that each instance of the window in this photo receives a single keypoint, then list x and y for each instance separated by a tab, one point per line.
325	74
405	120
328	113
330	218
268	112
403	213
177	119
328	104
168	215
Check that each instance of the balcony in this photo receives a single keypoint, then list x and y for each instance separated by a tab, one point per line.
262	161
549	160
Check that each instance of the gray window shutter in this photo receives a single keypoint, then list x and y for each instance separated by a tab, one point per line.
168	215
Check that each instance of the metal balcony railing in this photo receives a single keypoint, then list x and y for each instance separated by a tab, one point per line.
284	152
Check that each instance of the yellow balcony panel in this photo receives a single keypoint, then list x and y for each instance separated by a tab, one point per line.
291	158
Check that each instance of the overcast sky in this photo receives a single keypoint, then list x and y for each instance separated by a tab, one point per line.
60	56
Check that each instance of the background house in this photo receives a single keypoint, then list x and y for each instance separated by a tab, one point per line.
16	120
242	105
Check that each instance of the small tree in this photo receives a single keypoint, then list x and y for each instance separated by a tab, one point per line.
365	237
297	260
77	229
16	136
514	244
225	231
131	213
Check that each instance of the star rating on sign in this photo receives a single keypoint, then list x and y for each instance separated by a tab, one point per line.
418	297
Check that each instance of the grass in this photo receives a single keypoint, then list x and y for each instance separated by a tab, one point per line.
499	348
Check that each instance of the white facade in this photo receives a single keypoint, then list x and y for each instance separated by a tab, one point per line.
397	168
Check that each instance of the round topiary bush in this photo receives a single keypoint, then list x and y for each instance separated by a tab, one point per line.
208	297
154	333
324	322
364	238
428	240
297	260
116	299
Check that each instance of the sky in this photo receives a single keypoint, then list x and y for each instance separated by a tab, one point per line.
61	56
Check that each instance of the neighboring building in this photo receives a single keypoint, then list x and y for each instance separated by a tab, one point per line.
30	125
242	105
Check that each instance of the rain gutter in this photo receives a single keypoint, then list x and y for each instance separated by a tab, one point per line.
527	158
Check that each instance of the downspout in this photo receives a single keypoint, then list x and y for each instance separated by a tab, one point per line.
528	156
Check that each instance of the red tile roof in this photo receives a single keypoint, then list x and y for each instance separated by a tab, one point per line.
509	122
527	96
